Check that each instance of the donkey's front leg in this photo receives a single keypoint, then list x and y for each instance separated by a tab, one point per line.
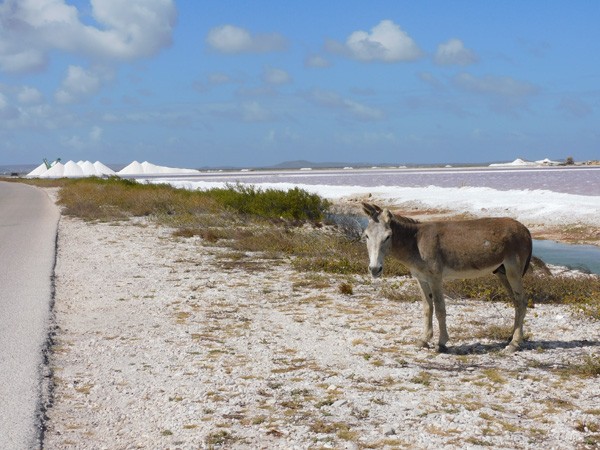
440	314
427	298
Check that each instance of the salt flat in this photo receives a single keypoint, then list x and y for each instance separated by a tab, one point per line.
166	342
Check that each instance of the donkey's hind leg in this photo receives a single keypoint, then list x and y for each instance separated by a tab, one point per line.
514	277
500	272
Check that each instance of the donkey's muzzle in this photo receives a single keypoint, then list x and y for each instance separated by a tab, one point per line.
376	271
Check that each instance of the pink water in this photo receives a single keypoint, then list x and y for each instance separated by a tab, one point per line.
571	180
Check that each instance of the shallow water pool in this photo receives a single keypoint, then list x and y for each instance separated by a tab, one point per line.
582	257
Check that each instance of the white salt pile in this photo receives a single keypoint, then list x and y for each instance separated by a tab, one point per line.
516	162
146	168
86	166
547	162
38	170
56	171
82	169
71	169
135	168
520	162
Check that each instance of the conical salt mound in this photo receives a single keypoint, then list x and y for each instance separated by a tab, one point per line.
135	168
147	168
56	171
101	169
88	168
38	170
72	170
150	168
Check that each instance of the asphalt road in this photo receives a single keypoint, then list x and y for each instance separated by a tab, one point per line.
28	227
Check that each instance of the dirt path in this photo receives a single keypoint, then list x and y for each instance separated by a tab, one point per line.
164	342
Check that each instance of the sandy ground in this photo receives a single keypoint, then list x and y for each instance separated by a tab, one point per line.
166	342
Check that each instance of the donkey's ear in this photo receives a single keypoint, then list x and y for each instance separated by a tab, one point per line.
371	210
387	216
368	209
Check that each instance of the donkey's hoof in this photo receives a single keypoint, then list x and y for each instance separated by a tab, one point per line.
511	348
441	348
422	344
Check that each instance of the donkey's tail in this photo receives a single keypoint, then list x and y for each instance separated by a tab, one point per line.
530	242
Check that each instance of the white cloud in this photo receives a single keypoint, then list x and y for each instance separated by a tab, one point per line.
272	75
219	78
232	39
316	61
96	134
386	42
500	86
20	60
254	112
281	136
80	83
504	94
370	138
29	96
74	142
333	100
126	30
3	102
213	79
7	111
250	111
454	52
430	79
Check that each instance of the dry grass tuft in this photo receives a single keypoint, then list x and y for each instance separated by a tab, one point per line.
589	368
346	288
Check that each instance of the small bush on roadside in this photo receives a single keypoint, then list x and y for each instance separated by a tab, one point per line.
115	198
294	204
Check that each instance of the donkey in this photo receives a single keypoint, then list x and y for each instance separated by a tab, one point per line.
438	250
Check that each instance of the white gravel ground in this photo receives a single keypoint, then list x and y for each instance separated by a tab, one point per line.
165	342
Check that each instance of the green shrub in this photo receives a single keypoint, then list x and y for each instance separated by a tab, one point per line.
116	198
294	204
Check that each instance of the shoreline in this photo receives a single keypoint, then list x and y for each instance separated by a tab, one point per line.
169	342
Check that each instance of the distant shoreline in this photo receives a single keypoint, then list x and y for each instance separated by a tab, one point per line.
23	169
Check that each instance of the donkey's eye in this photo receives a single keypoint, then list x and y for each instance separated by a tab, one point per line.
386	239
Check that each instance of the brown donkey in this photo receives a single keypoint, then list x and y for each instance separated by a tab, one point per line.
434	251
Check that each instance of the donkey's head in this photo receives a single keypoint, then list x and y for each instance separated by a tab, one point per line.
378	236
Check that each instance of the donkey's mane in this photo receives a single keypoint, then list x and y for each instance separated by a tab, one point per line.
404	219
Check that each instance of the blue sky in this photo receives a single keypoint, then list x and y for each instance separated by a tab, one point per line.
212	83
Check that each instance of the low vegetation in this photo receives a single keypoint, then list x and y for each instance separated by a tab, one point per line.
284	224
